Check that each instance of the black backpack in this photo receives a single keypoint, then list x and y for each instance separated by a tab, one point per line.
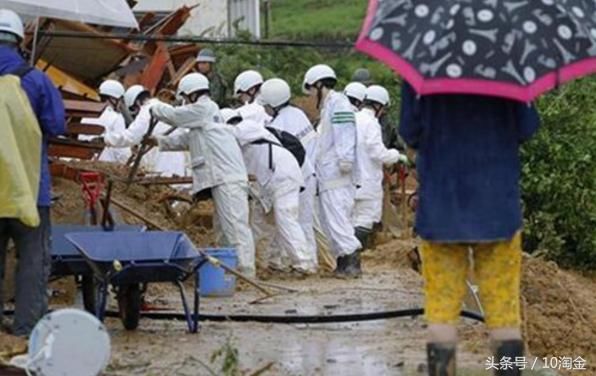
288	141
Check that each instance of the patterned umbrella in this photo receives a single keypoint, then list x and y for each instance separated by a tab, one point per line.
516	49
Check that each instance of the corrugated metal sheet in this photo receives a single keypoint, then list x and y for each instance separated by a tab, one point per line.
245	14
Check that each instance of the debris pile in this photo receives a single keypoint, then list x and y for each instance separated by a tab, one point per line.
154	205
78	65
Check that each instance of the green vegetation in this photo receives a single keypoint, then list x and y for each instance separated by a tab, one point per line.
290	63
317	19
559	177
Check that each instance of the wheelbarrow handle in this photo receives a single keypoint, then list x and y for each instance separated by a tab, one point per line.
107	220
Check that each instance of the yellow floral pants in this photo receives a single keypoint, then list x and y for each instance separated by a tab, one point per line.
497	269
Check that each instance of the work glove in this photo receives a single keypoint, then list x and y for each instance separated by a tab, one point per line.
345	167
392	157
151	141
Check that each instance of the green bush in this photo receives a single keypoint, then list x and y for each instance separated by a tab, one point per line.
559	177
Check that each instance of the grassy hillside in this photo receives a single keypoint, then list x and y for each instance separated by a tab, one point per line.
317	19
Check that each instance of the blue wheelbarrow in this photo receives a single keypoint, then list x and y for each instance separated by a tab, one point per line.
67	261
128	261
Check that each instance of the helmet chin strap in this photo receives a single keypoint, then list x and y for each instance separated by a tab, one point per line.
113	102
252	94
378	109
319	87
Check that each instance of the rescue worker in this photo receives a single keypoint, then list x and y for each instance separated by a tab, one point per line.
335	165
138	101
372	155
355	91
111	92
216	161
469	198
362	75
391	138
279	179
32	243
275	97
247	86
206	60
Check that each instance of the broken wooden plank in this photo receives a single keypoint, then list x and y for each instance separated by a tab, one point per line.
153	75
66	82
68	148
76	108
60	170
182	71
165	181
86	129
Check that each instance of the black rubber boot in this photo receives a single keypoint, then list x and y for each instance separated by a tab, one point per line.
342	264
362	234
354	267
441	359
509	349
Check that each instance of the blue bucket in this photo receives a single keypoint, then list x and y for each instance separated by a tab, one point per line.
214	281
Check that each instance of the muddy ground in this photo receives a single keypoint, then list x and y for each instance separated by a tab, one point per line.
559	313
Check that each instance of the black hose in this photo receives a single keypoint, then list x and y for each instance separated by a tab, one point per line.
290	319
297	319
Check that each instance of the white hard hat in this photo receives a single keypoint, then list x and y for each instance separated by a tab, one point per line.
275	92
10	22
111	88
246	81
192	83
355	90
206	55
317	73
131	95
228	114
379	94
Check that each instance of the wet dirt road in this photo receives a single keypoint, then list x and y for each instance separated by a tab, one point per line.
382	347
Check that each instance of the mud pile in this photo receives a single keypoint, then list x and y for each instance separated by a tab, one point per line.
560	311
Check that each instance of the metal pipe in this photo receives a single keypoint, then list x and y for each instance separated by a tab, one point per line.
194	39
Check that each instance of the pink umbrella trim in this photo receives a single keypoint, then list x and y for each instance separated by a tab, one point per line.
466	85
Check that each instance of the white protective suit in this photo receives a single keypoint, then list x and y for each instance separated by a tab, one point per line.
113	122
372	154
255	112
170	163
217	164
294	121
337	174
279	184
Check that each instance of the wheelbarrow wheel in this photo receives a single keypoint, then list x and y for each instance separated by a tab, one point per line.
129	305
89	290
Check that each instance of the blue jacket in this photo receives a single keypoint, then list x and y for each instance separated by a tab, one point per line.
47	105
468	164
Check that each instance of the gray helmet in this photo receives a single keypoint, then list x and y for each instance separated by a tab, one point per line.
361	75
206	55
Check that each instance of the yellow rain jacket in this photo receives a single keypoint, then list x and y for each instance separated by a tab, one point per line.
20	154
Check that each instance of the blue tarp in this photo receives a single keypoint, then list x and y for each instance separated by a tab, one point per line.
134	246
